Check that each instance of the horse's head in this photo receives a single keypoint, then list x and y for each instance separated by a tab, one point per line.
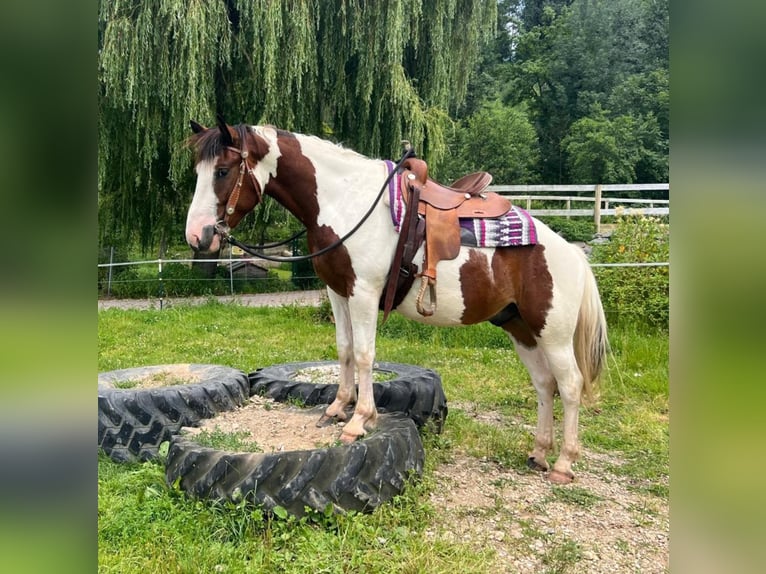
233	165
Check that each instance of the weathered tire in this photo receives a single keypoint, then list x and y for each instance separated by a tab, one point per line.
133	422
360	476
416	392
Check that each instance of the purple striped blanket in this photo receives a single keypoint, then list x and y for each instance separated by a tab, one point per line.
513	229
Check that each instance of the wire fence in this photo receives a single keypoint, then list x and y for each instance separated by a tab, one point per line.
239	274
159	283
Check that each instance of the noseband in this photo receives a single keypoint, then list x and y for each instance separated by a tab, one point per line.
222	225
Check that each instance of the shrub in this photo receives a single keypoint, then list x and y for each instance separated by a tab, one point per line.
577	229
635	294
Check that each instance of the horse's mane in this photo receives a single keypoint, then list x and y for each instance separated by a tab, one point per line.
208	144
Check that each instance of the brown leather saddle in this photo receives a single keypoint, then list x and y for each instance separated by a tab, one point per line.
435	221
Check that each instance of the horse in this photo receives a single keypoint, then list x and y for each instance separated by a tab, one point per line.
543	295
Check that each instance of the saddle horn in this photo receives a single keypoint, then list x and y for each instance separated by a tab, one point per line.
226	138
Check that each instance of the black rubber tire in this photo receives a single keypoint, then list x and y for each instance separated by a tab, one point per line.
360	476
132	423
416	392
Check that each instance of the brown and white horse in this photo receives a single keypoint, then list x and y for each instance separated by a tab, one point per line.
544	295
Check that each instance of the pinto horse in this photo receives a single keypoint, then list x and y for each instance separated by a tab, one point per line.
544	296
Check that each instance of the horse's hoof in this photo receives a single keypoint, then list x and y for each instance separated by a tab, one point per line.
347	438
325	421
557	477
534	465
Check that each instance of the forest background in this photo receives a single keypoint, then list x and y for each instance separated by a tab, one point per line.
537	91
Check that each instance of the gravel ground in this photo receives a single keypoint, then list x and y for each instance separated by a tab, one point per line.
304	298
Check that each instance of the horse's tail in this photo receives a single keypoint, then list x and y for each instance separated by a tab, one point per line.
590	337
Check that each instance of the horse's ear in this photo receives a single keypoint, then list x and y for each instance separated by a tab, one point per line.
226	138
196	128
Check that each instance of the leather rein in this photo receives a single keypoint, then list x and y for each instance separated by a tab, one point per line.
222	225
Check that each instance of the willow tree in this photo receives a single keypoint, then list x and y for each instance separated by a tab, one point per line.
363	72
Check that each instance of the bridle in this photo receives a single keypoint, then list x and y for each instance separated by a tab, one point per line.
223	229
222	225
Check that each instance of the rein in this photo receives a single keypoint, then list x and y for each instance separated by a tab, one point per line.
222	228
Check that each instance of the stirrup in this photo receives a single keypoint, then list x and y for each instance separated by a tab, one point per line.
425	281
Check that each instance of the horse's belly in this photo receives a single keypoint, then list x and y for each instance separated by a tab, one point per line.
449	296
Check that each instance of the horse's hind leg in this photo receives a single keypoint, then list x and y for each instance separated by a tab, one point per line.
545	384
569	380
345	343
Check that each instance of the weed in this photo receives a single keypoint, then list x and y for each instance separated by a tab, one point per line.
229	441
127	384
574	495
562	556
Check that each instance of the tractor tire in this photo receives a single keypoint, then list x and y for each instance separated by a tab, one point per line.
415	391
359	477
132	423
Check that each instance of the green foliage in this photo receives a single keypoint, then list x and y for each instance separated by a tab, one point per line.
601	150
374	73
591	55
499	139
572	229
635	294
613	150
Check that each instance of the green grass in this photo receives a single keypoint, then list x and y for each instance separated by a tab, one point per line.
148	526
231	441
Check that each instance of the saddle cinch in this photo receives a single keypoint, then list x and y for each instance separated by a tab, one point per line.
435	221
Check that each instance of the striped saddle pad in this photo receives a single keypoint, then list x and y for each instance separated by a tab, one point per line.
513	229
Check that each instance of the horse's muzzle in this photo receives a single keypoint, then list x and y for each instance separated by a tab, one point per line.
205	240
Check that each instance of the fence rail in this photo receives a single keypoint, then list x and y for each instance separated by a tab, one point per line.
602	206
520	195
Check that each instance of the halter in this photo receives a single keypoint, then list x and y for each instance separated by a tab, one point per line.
222	225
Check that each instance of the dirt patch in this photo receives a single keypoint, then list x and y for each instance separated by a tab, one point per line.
598	524
274	426
180	374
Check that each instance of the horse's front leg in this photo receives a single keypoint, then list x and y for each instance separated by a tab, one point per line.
345	342
363	312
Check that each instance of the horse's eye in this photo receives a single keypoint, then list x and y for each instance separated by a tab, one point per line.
221	172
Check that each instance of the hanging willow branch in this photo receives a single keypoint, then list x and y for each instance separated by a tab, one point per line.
366	72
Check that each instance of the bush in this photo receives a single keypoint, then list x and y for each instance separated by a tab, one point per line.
635	294
577	229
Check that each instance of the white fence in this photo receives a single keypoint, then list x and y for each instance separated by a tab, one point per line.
522	195
600	206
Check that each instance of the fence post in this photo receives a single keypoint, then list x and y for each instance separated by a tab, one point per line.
109	281
231	272
162	285
597	209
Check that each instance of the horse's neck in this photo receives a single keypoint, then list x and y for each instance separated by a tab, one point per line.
346	182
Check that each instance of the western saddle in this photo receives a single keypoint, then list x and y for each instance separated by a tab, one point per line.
437	222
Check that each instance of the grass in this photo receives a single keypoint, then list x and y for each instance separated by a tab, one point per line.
148	526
